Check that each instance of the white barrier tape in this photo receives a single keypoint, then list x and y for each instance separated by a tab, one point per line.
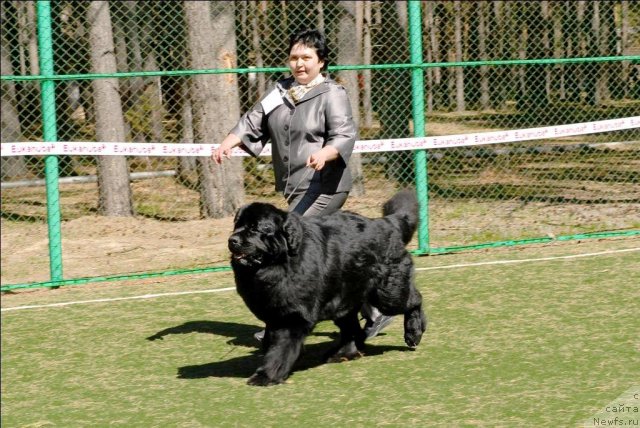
366	146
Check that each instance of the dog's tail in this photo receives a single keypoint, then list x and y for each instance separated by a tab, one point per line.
403	208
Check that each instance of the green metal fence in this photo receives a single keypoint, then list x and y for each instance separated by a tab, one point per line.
411	69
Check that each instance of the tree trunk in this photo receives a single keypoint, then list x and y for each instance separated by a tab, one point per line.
133	35
122	39
366	59
533	99
593	89
434	75
501	75
113	174
153	98
11	167
214	98
29	96
257	11
460	102
320	15
143	112
349	54
27	37
482	52
596	27
403	13
186	165
151	90
128	59
120	29
607	47
522	54
584	43
559	49
624	46
597	75
546	47
393	88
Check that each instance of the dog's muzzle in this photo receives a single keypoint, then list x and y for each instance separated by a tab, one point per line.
235	246
242	253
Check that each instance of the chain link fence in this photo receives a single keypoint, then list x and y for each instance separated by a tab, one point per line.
478	77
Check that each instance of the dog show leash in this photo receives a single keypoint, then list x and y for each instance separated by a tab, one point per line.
309	169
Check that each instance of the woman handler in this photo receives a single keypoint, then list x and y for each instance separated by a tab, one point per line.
307	118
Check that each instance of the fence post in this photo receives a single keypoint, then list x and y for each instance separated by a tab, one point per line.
417	107
50	134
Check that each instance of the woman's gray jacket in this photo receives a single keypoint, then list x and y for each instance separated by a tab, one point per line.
321	118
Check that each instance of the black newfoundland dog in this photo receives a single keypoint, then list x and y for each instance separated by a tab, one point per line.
293	272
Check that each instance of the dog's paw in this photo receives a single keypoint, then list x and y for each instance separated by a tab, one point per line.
341	358
412	341
260	379
412	338
415	325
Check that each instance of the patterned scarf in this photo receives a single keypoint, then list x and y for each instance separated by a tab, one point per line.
297	91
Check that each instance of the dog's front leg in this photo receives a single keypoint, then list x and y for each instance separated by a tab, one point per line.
284	348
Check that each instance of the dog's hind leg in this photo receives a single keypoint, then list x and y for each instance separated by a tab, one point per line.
398	295
284	349
351	340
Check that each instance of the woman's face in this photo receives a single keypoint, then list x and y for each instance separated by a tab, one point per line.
304	63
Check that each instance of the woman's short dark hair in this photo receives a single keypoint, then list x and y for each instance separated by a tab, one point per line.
312	38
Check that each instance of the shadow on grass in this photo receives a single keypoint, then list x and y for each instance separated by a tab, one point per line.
242	335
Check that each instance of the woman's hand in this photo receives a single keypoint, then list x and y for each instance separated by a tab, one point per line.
318	160
224	150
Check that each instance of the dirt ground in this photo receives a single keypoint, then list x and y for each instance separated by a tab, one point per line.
97	246
100	246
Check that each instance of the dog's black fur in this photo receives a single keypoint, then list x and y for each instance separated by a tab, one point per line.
293	272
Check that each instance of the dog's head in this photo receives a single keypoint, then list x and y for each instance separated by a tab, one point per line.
264	235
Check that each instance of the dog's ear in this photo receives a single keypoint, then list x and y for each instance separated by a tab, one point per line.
293	232
238	214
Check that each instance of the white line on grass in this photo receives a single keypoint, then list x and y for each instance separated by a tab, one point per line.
145	296
542	259
219	290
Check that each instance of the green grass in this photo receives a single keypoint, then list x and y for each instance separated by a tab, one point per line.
545	343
